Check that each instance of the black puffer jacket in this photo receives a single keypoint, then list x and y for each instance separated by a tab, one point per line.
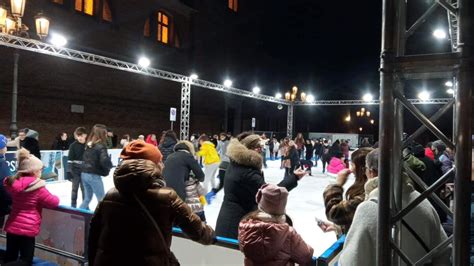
178	167
167	147
243	178
96	160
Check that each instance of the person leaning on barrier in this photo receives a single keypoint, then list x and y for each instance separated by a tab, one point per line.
132	224
421	229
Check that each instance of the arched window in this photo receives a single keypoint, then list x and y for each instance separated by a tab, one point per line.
234	5
163	32
85	6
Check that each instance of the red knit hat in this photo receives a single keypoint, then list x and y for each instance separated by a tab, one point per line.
272	199
138	149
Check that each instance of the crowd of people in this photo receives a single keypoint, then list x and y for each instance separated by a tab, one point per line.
166	182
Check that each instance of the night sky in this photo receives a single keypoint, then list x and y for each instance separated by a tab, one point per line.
331	49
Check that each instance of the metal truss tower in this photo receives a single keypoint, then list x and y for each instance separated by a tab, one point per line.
395	69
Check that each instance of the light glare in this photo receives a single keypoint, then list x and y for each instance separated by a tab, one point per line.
144	62
448	84
439	34
256	90
278	95
228	83
424	95
58	40
194	76
367	97
450	91
310	98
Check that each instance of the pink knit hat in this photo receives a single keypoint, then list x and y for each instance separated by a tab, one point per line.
272	199
27	162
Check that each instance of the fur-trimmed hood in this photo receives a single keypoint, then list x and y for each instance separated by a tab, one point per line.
239	154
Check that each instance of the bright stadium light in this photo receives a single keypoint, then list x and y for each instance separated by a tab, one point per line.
278	95
227	83
58	40
424	96
256	90
194	76
368	97
144	62
448	84
439	34
310	98
450	91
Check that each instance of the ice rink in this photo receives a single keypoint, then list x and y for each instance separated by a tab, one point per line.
304	204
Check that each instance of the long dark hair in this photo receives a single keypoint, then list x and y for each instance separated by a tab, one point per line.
358	159
98	134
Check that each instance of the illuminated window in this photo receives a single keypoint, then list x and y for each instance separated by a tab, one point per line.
163	28
85	6
234	4
106	13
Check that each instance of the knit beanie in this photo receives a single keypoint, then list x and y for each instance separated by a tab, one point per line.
251	141
138	149
272	199
27	162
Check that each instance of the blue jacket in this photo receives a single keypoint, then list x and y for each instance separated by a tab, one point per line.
5	199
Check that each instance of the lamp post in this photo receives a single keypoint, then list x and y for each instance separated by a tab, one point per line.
14	26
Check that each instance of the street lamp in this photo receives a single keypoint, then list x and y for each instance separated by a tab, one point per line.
292	94
13	25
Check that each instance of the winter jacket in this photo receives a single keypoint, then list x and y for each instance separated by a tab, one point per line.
122	234
360	245
318	149
447	161
177	170
222	150
61	145
338	210
292	155
345	149
335	165
243	178
266	241
167	147
194	192
429	153
276	147
29	196
96	160
309	151
32	145
5	199
209	152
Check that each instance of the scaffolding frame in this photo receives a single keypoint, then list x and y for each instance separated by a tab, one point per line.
395	68
186	82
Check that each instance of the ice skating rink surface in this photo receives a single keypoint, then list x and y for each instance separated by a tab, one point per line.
305	202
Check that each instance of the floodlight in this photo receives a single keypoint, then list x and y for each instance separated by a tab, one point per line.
310	98
278	95
194	76
439	34
367	97
228	83
256	90
448	84
58	40
144	62
424	95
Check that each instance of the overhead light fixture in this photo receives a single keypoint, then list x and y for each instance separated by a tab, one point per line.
228	83
144	62
360	129
58	40
256	90
368	97
424	96
310	98
448	84
348	118
278	95
194	76
372	121
439	34
450	91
